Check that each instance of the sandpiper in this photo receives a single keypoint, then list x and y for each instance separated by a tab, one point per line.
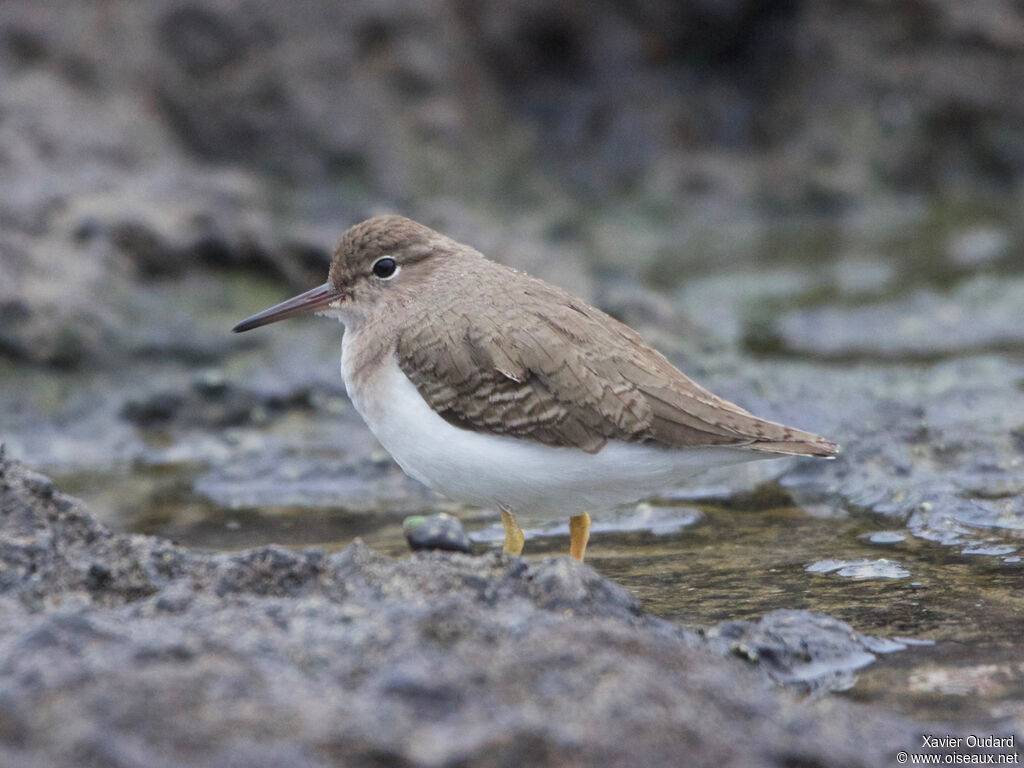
498	389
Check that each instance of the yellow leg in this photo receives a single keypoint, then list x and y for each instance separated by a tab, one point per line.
579	535
513	534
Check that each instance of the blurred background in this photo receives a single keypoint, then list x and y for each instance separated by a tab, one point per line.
831	183
812	207
146	145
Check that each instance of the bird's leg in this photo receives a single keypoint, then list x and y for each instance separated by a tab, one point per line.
513	534
579	535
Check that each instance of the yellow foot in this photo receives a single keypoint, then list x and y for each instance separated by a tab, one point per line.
513	534
579	535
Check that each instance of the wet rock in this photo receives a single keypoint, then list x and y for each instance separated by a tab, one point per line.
53	549
40	323
799	647
151	654
441	532
932	447
979	315
969	523
860	569
92	184
212	402
204	239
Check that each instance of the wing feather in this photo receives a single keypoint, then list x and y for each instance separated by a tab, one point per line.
544	366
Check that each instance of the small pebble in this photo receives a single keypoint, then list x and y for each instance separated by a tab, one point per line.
441	531
886	537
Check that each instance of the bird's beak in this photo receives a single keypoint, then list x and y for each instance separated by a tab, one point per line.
307	303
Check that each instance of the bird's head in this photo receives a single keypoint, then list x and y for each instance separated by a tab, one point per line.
383	259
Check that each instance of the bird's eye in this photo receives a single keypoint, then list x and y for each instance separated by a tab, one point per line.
385	267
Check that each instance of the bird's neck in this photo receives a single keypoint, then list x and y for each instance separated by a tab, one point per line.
367	342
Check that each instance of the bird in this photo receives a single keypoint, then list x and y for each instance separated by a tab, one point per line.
498	389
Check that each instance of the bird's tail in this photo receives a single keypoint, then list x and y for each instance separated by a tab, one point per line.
800	444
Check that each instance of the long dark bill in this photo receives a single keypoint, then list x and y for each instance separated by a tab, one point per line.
306	303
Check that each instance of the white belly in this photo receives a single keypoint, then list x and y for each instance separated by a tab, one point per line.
522	476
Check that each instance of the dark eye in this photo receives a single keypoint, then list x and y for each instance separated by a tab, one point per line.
385	267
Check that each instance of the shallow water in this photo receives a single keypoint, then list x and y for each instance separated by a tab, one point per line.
737	564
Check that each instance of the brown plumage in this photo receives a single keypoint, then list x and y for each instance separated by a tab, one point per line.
497	351
524	358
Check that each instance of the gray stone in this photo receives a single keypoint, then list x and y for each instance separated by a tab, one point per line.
807	649
980	315
441	532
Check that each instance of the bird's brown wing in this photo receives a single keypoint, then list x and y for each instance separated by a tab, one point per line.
565	374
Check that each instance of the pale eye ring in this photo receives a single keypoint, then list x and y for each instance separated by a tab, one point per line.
385	268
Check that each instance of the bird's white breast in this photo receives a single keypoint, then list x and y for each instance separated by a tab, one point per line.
522	476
